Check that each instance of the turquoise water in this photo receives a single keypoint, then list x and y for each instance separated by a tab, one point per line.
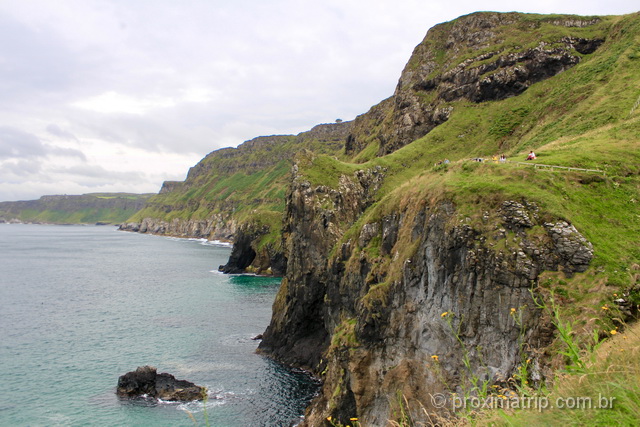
82	305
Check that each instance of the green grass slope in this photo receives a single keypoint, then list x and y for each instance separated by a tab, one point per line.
244	185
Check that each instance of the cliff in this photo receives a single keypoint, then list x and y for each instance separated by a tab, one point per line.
407	276
237	195
107	208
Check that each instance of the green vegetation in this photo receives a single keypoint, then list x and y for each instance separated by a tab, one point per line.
107	208
605	391
246	185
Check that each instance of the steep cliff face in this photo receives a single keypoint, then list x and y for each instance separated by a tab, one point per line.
316	216
480	57
366	308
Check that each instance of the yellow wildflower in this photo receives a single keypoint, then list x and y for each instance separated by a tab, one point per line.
329	418
604	307
354	419
435	357
444	314
513	310
613	332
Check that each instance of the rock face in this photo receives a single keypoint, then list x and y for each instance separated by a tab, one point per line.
370	313
246	257
217	227
145	381
315	218
467	59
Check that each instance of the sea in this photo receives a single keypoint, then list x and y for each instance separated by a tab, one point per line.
82	305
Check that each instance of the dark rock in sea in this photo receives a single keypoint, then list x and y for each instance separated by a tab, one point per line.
145	381
257	337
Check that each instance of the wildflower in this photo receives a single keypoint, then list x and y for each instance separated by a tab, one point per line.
435	357
613	332
329	418
354	419
604	307
615	295
528	360
513	310
444	314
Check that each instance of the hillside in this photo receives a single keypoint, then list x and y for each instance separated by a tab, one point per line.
408	277
410	269
107	208
237	194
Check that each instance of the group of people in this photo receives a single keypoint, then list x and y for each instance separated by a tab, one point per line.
502	158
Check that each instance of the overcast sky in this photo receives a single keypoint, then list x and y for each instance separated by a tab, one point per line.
120	95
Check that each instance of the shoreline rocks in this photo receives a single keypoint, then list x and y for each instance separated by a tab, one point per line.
146	382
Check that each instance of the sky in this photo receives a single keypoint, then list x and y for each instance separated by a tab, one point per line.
121	95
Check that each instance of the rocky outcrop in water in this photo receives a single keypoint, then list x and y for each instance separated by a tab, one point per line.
267	259
146	382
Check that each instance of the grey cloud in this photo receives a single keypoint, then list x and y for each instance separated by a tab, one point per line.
98	174
56	130
21	169
15	143
32	60
66	152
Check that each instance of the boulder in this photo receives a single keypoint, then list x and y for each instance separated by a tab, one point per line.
145	381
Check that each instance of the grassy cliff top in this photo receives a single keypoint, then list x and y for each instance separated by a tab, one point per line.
586	117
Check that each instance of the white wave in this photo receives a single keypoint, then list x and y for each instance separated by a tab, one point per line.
214	398
206	242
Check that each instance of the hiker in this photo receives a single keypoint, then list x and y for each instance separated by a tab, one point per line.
531	156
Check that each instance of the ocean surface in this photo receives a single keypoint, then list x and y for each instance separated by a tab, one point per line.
82	305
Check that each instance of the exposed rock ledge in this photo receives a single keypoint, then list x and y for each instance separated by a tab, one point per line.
215	228
145	381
